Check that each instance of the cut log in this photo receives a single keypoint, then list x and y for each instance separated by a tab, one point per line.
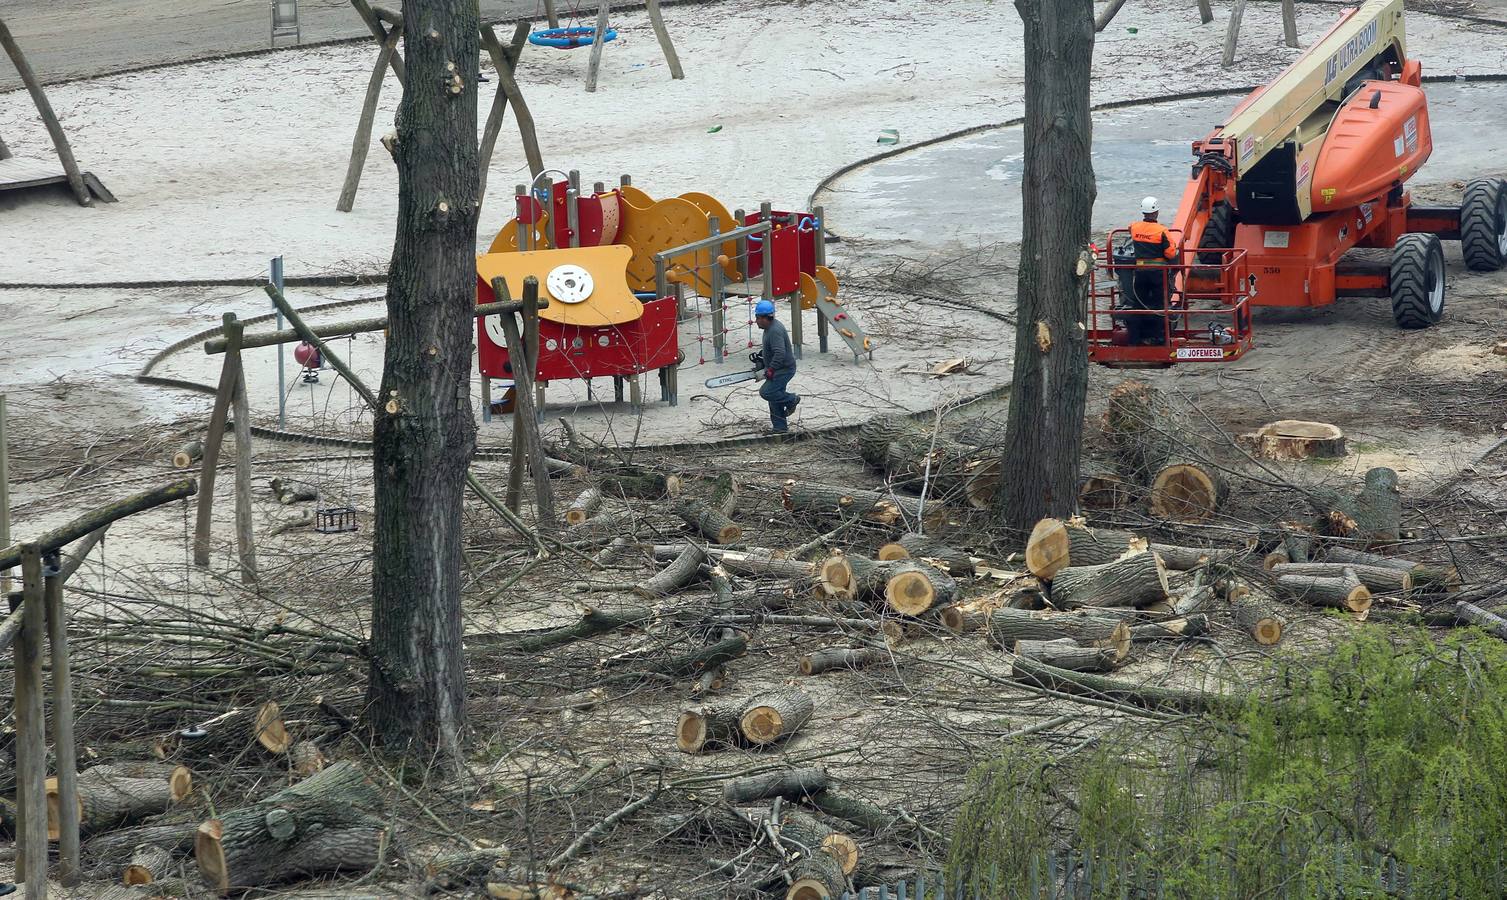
1492	623
918	546
1138	423
115	795
850	576
594	621
841	658
305	758
1171	629
983	484
891	552
876	435
188	454
871	506
816	877
1006	626
1377	578
110	847
710	522
1031	671
311	829
584	506
1374	515
1187	491
1260	620
775	716
639	484
148	864
1055	544
600	529
1423	574
464	871
1345	592
232	733
792	784
859	812
973	615
1066	653
707	728
913	588
1105	490
1184	558
676	575
810	836
1136	580
1293	439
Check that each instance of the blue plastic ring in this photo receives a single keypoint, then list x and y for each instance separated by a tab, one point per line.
569	38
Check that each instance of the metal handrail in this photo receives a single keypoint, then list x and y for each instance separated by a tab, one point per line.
714	240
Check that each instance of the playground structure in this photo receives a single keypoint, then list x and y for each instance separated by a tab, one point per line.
386	26
1306	168
20	174
621	271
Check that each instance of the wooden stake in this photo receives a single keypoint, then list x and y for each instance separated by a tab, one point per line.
525	416
230	374
65	750
505	62
1205	12
4	497
596	48
245	542
380	33
549	13
362	141
1232	35
31	743
50	119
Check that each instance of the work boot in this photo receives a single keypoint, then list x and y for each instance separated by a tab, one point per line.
790	407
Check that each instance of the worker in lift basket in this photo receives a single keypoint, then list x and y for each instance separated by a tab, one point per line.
777	358
1153	251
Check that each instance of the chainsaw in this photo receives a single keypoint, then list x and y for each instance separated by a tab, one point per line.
756	374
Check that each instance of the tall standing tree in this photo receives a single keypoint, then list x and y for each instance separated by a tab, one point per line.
424	433
1039	462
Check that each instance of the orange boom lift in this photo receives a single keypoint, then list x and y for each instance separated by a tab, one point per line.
1307	168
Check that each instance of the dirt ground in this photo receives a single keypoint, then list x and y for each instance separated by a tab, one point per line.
565	736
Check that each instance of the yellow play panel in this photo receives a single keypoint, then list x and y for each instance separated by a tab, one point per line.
586	286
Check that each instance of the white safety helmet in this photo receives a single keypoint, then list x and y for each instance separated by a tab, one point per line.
1148	206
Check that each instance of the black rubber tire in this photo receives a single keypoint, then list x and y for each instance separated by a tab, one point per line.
1417	280
1483	225
1219	232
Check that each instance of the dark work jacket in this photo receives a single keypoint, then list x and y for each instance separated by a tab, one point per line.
778	354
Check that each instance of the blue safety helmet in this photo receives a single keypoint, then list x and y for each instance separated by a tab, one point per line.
764	308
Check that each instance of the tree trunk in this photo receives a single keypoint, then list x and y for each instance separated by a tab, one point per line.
792	784
851	809
1006	626
710	522
913	588
708	728
912	456
1055	544
973	615
593	621
424	435
1105	490
110	847
1377	578
231	733
775	716
1136	580
1065	653
1044	431
1424	576
1033	672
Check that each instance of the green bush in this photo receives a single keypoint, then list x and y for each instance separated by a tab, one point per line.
1390	750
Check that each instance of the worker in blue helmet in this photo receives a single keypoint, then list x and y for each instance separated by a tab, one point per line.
777	359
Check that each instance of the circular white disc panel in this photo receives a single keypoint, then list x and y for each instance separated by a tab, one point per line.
494	330
569	283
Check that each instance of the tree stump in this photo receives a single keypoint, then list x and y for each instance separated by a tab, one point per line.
1294	439
1136	580
912	589
1187	491
775	716
1055	544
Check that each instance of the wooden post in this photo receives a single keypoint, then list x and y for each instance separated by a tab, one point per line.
310	335
4	150
662	34
549	13
380	33
505	61
245	543
596	48
1232	34
1205	12
65	750
1109	13
4	497
230	373
49	118
820	215
524	408
31	743
1290	22
363	138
